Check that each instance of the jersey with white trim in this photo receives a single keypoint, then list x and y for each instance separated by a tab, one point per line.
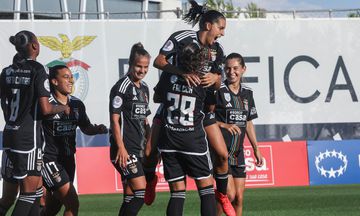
21	86
236	109
132	104
214	58
182	116
60	129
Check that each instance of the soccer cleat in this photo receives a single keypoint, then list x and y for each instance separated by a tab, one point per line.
225	203
150	192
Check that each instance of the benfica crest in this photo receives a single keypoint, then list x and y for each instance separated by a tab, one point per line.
78	68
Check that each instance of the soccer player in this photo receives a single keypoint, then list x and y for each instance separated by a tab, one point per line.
235	110
130	130
60	146
211	27
24	91
182	141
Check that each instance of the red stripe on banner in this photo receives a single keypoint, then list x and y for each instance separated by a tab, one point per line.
78	63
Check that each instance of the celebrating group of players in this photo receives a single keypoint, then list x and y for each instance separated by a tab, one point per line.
201	122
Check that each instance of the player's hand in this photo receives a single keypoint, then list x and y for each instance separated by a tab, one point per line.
209	79
101	129
232	128
259	158
192	79
121	157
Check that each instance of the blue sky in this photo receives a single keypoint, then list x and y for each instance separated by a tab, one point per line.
300	4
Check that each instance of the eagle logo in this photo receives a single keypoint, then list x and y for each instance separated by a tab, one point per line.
78	68
65	46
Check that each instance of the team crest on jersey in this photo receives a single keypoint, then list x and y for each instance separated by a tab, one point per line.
246	104
76	112
78	68
213	55
173	79
227	97
169	45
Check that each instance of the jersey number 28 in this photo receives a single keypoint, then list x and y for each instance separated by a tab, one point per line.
186	106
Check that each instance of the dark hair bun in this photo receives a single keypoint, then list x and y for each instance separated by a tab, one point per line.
20	40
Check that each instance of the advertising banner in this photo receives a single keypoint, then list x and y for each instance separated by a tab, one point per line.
300	76
334	162
285	164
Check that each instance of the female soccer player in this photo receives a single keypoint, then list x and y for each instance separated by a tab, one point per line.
182	141
235	110
129	99
212	26
24	88
60	143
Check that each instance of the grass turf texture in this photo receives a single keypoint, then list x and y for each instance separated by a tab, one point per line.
330	200
295	201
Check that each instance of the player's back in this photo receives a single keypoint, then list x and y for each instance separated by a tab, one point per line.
18	91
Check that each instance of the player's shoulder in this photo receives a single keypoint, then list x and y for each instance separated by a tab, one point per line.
76	101
122	85
246	89
184	34
37	66
144	84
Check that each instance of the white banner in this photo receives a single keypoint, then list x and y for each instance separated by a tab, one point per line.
301	71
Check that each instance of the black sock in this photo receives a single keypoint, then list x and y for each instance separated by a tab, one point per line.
136	203
127	199
208	203
35	210
176	203
221	182
24	204
3	210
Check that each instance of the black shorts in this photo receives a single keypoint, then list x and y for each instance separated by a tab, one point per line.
26	164
237	171
57	172
133	168
209	119
178	165
7	168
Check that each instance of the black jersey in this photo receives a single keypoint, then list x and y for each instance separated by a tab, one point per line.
21	85
182	116
60	129
235	109
214	58
131	103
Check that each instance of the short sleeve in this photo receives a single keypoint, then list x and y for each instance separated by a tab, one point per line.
84	120
41	82
252	109
116	101
170	47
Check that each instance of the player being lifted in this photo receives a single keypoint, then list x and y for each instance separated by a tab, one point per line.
130	130
24	90
211	27
60	143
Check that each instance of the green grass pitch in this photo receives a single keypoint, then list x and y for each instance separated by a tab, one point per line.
339	200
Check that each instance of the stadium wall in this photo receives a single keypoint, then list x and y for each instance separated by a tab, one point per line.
304	73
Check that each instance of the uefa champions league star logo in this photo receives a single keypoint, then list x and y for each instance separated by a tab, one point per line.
331	173
78	68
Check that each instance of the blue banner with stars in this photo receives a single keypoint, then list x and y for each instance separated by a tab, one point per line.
334	162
